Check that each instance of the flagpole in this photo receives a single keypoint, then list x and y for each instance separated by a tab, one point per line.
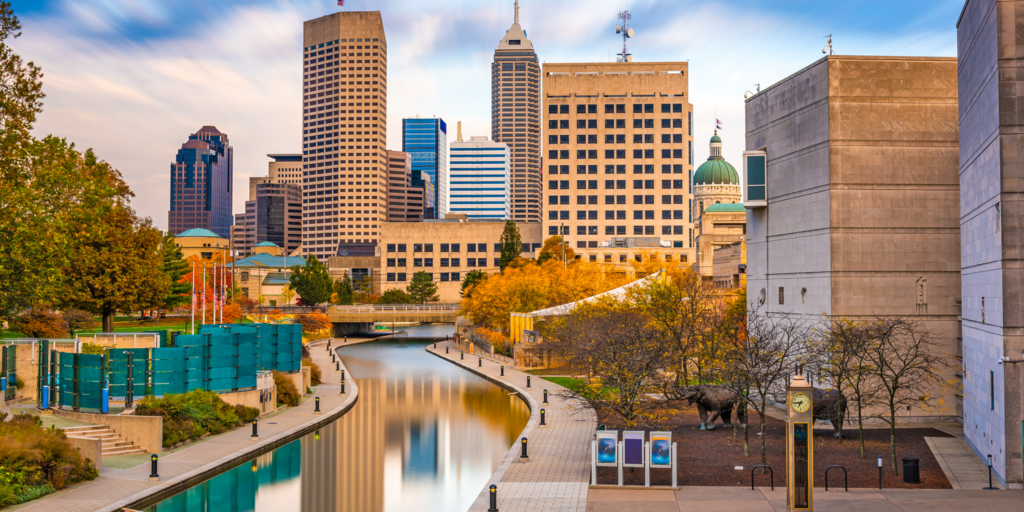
193	297
204	292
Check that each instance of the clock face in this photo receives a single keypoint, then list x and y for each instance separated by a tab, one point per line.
800	402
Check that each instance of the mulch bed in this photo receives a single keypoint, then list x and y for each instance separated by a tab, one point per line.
710	458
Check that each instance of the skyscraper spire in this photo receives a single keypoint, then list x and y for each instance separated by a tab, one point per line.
517	12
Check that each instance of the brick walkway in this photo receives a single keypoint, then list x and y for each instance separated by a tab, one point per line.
557	475
120	488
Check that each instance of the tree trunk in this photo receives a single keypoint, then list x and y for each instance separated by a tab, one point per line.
860	427
892	439
764	453
108	320
746	439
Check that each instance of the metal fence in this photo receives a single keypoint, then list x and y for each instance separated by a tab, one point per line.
8	376
82	381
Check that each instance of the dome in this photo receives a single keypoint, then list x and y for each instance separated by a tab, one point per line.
268	243
198	233
715	138
716	171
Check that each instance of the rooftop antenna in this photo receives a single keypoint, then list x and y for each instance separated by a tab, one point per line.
627	33
517	12
828	46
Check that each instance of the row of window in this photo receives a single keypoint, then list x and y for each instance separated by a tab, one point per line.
443	262
611	154
609	108
617	169
616	230
610	138
614	184
637	199
615	214
448	247
591	124
402	277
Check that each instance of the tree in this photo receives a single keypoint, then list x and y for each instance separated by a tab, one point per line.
245	304
77	320
422	289
364	292
176	268
40	323
511	244
837	356
473	278
312	281
313	322
395	296
905	362
555	248
287	294
343	291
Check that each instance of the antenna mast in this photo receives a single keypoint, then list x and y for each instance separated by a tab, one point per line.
627	33
828	46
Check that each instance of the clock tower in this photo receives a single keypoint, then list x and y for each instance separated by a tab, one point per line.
800	445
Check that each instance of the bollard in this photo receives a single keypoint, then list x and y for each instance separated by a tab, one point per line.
524	456
435	345
153	475
337	367
343	375
502	370
545	396
317	410
542	411
462	355
480	363
254	435
446	350
343	387
990	487
494	499
879	472
527	381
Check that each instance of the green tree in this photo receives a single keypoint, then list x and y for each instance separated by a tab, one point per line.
343	290
312	281
174	267
555	248
422	289
287	294
511	244
395	296
473	278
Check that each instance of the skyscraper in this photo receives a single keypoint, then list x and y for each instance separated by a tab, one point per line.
515	117
344	131
405	202
273	212
426	141
480	180
201	184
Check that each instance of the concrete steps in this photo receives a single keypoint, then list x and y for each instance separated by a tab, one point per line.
113	444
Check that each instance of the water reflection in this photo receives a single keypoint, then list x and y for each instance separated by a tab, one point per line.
424	435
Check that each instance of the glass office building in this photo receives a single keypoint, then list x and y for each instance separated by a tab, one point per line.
201	177
426	142
480	183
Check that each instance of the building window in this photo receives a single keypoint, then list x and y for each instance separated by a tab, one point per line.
782	295
401	277
391	277
992	389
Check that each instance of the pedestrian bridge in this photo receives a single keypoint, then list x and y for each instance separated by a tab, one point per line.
343	317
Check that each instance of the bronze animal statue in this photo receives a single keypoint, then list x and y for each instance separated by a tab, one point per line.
717	401
827	405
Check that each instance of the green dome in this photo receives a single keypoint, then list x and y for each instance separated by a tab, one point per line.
268	243
716	171
715	139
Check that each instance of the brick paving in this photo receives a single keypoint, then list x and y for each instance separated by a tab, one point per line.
120	488
557	474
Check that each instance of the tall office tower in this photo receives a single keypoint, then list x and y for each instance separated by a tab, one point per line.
201	178
515	117
426	141
273	212
480	183
344	132
405	202
619	152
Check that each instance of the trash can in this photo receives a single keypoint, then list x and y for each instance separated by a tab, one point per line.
911	471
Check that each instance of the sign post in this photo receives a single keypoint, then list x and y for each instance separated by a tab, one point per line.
800	446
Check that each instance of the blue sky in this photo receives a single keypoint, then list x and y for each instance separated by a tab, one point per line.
133	78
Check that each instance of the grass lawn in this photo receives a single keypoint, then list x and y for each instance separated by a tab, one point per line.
566	382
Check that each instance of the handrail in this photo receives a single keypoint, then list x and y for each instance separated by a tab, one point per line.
385	308
770	472
846	477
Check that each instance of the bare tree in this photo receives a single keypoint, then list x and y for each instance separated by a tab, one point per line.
905	361
836	354
623	349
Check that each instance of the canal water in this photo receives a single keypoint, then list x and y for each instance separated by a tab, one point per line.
424	435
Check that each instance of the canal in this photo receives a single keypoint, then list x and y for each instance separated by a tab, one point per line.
424	435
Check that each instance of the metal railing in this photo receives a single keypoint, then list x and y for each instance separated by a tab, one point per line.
397	308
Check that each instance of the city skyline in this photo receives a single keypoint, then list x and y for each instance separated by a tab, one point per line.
239	62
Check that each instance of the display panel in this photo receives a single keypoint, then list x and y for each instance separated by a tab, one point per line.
661	449
801	465
633	449
607	453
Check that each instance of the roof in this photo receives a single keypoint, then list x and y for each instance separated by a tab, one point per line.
265	260
617	293
715	138
516	33
268	243
276	279
725	207
198	233
716	171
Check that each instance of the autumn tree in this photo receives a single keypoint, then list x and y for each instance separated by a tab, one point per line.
473	278
175	268
76	320
511	244
422	289
396	296
837	355
555	248
343	292
311	281
40	323
287	294
313	323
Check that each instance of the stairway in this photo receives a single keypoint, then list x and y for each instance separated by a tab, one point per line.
113	444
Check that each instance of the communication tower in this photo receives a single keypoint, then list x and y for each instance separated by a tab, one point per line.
627	33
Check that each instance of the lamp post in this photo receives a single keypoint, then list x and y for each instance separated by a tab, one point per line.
879	472
990	487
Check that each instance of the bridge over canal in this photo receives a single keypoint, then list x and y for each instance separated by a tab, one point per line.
356	319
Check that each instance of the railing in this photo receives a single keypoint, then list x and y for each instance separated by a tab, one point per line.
397	308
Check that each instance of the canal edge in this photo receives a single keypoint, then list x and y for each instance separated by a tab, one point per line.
180	483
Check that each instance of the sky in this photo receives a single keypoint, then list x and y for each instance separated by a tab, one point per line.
133	78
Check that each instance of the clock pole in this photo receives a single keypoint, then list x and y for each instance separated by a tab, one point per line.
800	445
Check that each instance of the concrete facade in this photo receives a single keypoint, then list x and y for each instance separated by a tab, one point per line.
721	225
991	53
619	154
405	202
730	264
863	207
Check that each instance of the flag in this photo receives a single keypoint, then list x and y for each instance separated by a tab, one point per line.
341	3
718	124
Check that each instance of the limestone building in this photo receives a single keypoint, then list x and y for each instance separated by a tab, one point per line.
861	214
990	41
719	220
618	153
344	131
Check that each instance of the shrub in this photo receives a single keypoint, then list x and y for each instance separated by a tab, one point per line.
287	393
92	348
35	461
192	415
40	323
314	371
76	320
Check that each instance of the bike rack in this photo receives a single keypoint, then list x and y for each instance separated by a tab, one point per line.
770	472
846	478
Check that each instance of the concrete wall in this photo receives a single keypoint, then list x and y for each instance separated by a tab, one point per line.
990	46
146	432
89	448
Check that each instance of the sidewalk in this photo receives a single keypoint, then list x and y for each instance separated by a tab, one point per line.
557	476
115	488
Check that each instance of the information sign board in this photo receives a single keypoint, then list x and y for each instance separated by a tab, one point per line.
633	449
607	448
661	449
